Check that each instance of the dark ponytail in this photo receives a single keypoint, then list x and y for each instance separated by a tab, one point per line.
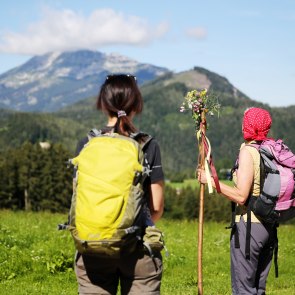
120	97
124	125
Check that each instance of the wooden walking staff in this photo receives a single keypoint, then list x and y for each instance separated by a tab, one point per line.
206	163
199	104
201	204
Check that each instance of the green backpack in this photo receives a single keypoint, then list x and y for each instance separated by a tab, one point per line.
107	204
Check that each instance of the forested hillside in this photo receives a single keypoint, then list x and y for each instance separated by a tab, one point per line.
34	178
161	118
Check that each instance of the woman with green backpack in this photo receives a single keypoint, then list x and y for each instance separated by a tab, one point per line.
138	270
250	262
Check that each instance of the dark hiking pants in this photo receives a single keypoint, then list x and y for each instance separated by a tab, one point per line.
249	276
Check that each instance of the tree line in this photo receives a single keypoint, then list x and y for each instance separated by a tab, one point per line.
183	203
35	177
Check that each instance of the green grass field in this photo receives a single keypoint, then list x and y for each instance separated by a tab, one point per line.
194	183
37	259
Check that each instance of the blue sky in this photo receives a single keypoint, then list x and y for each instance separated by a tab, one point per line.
251	43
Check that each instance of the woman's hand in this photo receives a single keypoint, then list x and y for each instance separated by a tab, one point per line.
239	193
202	176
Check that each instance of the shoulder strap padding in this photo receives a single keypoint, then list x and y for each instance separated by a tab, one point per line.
142	138
93	133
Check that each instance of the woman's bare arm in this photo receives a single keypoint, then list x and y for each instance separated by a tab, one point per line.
157	200
245	174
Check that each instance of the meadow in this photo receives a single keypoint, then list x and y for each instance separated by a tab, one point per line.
38	259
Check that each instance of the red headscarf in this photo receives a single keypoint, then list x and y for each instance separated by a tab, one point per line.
256	124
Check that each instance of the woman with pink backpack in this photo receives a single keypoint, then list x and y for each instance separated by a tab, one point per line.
249	271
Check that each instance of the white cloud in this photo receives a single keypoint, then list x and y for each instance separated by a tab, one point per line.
197	33
68	30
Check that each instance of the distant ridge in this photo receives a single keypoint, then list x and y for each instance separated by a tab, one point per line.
51	81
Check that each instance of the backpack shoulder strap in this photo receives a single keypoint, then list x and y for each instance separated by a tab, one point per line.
142	138
94	133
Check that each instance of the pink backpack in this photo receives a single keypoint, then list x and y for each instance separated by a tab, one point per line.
276	201
277	196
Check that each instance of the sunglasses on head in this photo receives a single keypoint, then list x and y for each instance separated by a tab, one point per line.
120	75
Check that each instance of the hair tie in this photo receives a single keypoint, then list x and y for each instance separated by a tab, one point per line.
121	113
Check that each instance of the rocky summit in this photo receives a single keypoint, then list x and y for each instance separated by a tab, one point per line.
54	80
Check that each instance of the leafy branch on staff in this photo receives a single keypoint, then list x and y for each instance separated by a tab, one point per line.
198	102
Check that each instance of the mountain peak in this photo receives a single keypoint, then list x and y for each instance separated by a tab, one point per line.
51	81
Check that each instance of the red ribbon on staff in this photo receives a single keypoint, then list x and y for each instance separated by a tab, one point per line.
209	158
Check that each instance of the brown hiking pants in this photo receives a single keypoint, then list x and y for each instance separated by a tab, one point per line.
137	273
